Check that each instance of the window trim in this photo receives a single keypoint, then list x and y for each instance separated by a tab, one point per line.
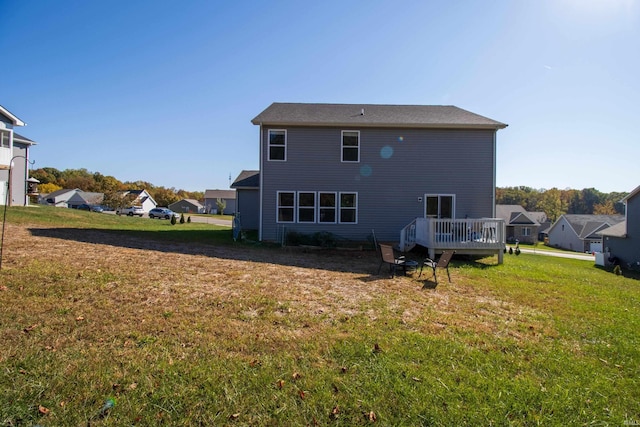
278	207
9	133
525	231
340	208
314	207
440	196
342	146
321	208
269	145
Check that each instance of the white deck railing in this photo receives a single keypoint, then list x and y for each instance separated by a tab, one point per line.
458	234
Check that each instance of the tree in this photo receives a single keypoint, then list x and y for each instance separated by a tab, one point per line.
605	208
221	204
48	188
552	204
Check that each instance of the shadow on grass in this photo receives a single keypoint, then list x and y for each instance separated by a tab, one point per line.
220	244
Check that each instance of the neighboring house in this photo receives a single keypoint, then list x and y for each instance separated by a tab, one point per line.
521	226
581	233
622	240
142	198
348	169
247	186
14	147
85	198
211	197
187	206
58	198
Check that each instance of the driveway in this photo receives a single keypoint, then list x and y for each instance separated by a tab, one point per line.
211	220
573	255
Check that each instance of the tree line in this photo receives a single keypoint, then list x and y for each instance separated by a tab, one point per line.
52	179
555	202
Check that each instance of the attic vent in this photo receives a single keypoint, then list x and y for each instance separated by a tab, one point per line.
362	112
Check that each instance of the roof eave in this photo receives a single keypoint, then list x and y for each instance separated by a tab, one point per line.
384	125
16	121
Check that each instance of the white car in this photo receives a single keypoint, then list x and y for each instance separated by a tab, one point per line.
163	213
131	211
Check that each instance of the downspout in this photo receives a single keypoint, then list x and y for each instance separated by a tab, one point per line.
261	189
493	197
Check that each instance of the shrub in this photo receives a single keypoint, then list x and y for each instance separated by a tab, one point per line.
173	220
189	219
181	218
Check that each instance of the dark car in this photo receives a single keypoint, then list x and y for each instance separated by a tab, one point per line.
162	213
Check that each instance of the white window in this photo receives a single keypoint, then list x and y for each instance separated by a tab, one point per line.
350	146
277	144
5	139
348	208
526	231
306	207
327	208
286	206
440	205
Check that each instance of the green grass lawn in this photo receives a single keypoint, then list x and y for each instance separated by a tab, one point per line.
256	336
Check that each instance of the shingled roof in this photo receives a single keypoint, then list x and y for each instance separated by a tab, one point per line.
373	115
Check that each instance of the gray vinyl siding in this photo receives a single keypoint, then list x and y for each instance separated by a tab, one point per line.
562	235
248	201
18	176
423	161
627	249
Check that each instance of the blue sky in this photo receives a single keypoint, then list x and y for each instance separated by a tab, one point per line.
164	91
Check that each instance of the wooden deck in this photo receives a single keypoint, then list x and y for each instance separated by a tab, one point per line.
482	236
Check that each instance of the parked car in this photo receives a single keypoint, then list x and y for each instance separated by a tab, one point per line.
92	208
130	211
163	213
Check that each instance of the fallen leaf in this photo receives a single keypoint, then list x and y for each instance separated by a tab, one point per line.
376	348
301	394
43	410
79	318
335	411
416	379
344	369
372	417
3	288
30	328
296	376
133	386
234	416
280	384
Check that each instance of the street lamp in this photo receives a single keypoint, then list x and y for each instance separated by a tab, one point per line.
8	199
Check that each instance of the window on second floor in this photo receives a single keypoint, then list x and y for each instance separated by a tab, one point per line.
5	139
277	144
350	146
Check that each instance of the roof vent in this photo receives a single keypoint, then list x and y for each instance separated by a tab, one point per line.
362	112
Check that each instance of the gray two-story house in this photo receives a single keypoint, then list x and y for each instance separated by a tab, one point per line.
15	184
622	240
350	169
